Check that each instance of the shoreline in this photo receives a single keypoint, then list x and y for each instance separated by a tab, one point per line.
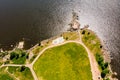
46	41
93	46
105	52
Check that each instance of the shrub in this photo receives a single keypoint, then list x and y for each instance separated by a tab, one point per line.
12	55
27	56
107	79
88	33
103	65
104	72
22	68
106	65
7	62
16	56
66	38
101	46
99	59
23	54
39	44
83	32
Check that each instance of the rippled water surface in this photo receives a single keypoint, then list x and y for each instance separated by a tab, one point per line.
34	20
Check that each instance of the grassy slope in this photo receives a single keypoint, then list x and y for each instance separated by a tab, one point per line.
24	75
66	35
94	43
21	59
70	35
15	72
91	41
66	62
4	75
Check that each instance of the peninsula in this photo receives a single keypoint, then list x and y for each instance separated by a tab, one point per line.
77	54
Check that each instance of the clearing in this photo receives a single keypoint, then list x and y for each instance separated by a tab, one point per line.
66	62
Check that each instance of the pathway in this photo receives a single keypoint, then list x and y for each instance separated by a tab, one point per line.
94	66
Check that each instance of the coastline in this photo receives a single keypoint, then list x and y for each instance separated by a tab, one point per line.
106	55
48	42
99	57
105	52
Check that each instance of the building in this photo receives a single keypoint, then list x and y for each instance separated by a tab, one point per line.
58	40
21	45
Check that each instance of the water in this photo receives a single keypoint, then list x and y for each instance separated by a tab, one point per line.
32	21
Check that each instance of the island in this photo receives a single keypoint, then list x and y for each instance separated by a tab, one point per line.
77	54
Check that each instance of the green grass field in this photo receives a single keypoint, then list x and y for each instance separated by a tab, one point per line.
91	41
18	56
4	75
22	75
70	35
11	73
67	62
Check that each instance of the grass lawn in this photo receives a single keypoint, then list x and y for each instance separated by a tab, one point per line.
90	39
67	62
22	75
67	35
4	75
38	49
18	56
11	73
70	35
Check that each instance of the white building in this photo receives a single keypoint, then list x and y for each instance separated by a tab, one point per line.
58	40
21	44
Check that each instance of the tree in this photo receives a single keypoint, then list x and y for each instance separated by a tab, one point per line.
88	33
104	72
106	64
83	32
66	38
39	44
22	68
23	54
101	46
12	55
27	56
16	56
99	59
107	79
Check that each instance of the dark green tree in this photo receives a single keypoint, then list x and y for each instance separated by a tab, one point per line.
22	68
12	55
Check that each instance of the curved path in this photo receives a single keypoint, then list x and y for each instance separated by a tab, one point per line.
94	66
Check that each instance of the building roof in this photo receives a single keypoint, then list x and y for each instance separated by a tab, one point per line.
58	40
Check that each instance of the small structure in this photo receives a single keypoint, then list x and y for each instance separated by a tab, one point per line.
58	40
1	50
21	45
